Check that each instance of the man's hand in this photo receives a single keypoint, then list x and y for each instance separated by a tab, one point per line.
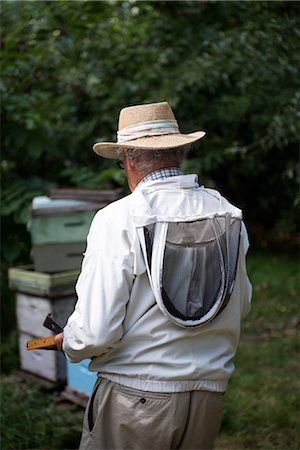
58	340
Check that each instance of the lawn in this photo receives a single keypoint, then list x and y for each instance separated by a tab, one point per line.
261	408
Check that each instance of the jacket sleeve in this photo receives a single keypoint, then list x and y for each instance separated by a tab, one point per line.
103	290
245	285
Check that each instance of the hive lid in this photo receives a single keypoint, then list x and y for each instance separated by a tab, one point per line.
44	205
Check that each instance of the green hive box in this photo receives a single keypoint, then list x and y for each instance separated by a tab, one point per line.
59	230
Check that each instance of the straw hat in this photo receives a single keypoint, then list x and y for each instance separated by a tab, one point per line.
152	126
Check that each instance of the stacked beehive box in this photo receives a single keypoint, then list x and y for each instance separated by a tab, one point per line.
38	294
59	228
58	232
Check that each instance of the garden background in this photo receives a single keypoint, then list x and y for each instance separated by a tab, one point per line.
230	68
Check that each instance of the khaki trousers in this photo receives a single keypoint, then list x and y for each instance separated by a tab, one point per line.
121	418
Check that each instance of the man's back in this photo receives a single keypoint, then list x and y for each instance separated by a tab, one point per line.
145	348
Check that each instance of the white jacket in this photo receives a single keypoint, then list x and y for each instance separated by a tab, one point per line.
117	321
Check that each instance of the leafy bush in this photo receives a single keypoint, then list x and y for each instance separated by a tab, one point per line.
230	68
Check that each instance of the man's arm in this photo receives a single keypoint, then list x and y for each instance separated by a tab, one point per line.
245	285
103	289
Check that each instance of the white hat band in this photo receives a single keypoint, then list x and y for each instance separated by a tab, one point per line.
151	128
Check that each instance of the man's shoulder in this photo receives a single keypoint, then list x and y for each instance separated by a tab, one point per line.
117	211
121	203
218	198
111	224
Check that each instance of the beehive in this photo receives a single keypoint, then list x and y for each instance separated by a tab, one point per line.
58	232
25	279
79	378
31	313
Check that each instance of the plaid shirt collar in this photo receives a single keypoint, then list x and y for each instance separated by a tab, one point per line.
160	174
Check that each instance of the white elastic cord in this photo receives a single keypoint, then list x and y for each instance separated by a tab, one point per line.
151	128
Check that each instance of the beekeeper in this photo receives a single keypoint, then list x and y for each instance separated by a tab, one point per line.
161	295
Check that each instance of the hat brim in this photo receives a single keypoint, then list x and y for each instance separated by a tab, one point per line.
162	142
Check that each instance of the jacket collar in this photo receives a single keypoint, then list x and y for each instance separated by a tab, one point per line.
175	182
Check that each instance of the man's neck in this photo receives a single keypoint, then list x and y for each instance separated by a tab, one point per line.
135	176
160	174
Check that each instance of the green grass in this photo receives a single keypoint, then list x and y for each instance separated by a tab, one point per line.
34	416
261	407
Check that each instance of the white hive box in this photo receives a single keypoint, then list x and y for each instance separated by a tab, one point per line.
31	313
48	364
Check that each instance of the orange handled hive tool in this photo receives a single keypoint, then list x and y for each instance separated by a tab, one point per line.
45	343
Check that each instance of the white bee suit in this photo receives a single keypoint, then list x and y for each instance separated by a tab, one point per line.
149	312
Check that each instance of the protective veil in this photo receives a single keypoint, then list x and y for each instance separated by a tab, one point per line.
192	266
191	262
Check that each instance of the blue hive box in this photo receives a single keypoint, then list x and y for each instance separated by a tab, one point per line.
79	378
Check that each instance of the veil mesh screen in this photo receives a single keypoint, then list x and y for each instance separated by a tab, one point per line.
199	264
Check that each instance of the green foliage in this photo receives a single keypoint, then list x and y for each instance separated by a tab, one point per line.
9	353
229	68
88	178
